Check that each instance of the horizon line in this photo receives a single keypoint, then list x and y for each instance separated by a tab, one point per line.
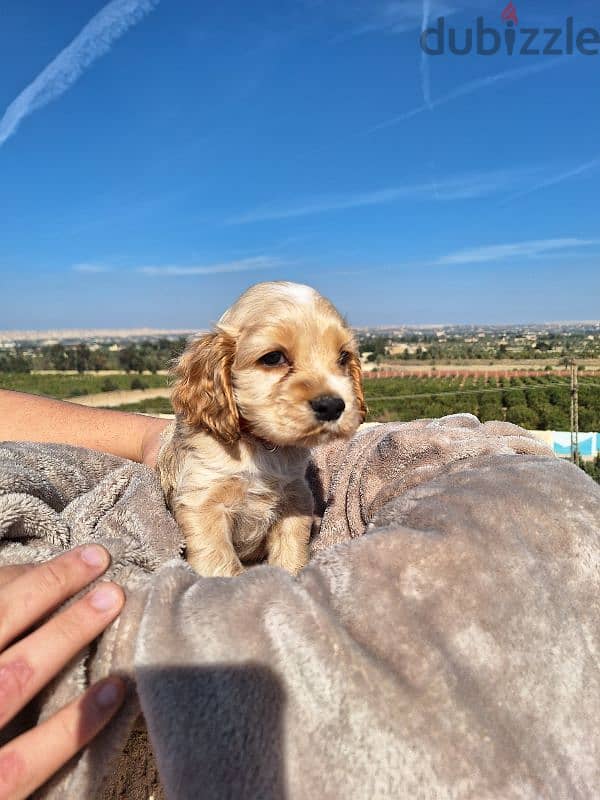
120	332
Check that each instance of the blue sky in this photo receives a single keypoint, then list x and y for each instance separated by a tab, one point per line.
156	158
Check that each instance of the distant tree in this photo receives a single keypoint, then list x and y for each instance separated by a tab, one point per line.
523	416
553	419
131	359
374	344
98	360
82	358
588	419
152	363
593	468
57	355
21	363
71	358
16	361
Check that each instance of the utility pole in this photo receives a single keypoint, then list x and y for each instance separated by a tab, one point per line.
574	414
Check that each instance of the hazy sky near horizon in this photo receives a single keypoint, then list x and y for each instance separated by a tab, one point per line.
159	156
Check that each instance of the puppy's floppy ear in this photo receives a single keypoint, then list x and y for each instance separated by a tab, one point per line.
203	392
355	372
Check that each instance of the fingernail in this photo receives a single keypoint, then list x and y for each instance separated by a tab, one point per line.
109	694
94	556
106	598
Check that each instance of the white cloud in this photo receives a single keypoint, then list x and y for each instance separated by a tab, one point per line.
94	40
554	180
241	265
387	17
462	187
500	252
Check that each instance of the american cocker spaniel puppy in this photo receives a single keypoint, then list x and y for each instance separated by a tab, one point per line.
278	374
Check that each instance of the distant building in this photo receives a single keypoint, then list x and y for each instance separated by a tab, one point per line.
560	442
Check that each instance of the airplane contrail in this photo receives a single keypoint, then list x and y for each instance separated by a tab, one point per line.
468	88
93	41
425	74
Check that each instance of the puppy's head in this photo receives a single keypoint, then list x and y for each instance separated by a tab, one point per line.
281	364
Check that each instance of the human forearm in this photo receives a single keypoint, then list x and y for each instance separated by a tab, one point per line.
41	419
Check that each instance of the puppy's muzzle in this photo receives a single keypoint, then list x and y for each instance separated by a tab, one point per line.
327	407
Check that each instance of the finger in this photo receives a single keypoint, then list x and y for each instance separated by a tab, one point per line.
8	574
30	759
28	665
36	592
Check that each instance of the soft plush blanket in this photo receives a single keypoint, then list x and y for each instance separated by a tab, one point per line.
444	641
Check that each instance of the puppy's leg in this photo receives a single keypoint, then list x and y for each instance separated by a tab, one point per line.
287	541
207	525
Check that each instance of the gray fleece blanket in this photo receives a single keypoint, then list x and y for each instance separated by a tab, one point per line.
444	641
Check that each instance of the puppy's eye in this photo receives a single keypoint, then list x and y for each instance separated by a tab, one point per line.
274	359
344	358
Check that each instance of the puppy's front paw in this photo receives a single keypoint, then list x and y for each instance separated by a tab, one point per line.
292	563
213	567
289	553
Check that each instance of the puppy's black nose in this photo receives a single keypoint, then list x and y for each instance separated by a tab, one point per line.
327	407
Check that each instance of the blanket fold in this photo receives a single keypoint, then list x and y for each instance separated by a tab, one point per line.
443	642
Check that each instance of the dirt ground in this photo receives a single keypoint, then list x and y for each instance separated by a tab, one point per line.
120	397
480	365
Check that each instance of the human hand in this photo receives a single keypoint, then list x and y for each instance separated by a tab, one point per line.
27	595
